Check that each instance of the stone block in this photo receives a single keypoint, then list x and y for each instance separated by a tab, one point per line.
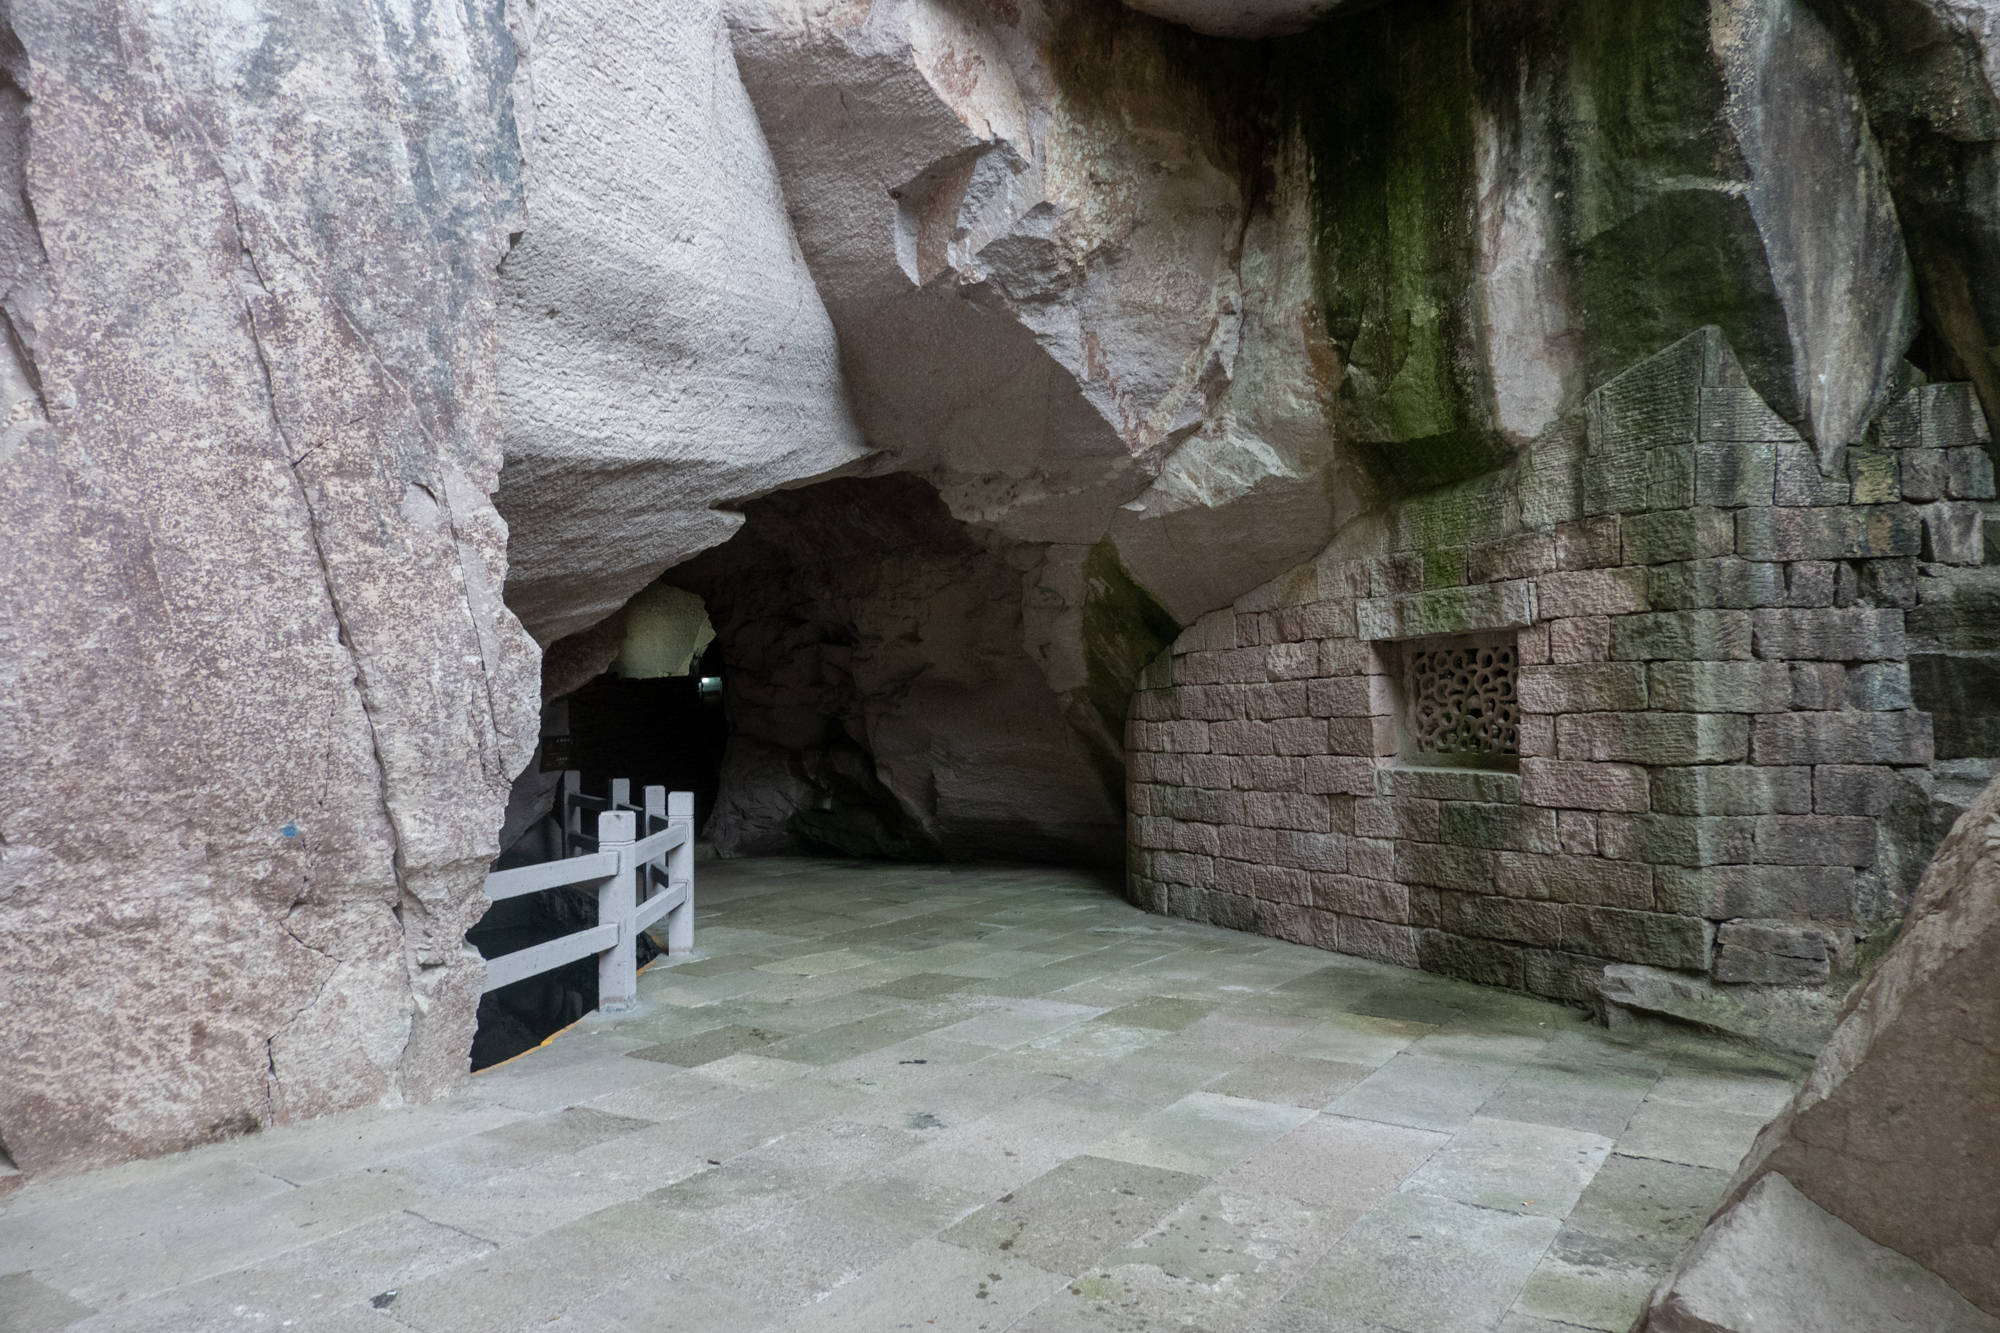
1565	784
1576	830
1241	666
1590	543
1213	703
1951	416
1258	846
1468	869
1719	687
1572	978
1347	657
1810	840
1291	661
1844	737
1551	484
1899	425
1447	611
1587	639
1739	413
1725	582
1879	686
1444	568
1390	575
1484	962
1678	840
1721	892
1483	916
1873	476
1297	811
1925	473
1336	774
1536	736
1847	532
1635	481
1312	851
1590	592
1375	736
1859	789
1818	685
1398	817
1214	631
1809	582
1279	699
1731	475
1238	738
1350	696
1954	533
1889	583
1479	509
1372	858
1588	880
1181	868
1829	634
1969	474
1592	687
1651	938
1449	784
1531	646
1678	534
1499	826
1682	636
1378	940
1654	402
1800	481
1653	738
1310	735
1732	789
1776	953
1524	555
1349	895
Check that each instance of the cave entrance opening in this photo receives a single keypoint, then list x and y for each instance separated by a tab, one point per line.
653	717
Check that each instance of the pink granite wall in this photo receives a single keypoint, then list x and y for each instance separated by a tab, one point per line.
1720	769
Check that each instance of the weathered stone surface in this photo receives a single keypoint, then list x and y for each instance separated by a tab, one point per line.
1791	1019
880	700
1892	1134
1242	18
1774	1259
663	350
263	698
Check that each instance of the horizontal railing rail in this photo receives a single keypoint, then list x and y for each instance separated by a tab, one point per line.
638	882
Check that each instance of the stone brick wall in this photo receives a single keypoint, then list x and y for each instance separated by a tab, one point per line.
1720	768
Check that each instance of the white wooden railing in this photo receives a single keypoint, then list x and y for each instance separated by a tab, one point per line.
640	862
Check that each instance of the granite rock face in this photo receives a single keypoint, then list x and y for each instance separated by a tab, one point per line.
263	699
879	697
1890	1143
662	348
1775	1262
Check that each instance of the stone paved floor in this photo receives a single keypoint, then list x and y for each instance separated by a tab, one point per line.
885	1098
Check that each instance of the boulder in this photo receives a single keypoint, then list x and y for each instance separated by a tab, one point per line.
1776	1262
264	700
1892	1135
663	353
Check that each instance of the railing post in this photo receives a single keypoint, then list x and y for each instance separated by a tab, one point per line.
572	818
621	793
680	871
617	898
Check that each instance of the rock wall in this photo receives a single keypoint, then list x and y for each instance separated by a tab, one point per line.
1879	1181
1716	766
879	699
663	352
263	701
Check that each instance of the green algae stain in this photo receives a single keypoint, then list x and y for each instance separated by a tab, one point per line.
1124	629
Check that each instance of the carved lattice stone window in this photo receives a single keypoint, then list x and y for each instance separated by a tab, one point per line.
1459	705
